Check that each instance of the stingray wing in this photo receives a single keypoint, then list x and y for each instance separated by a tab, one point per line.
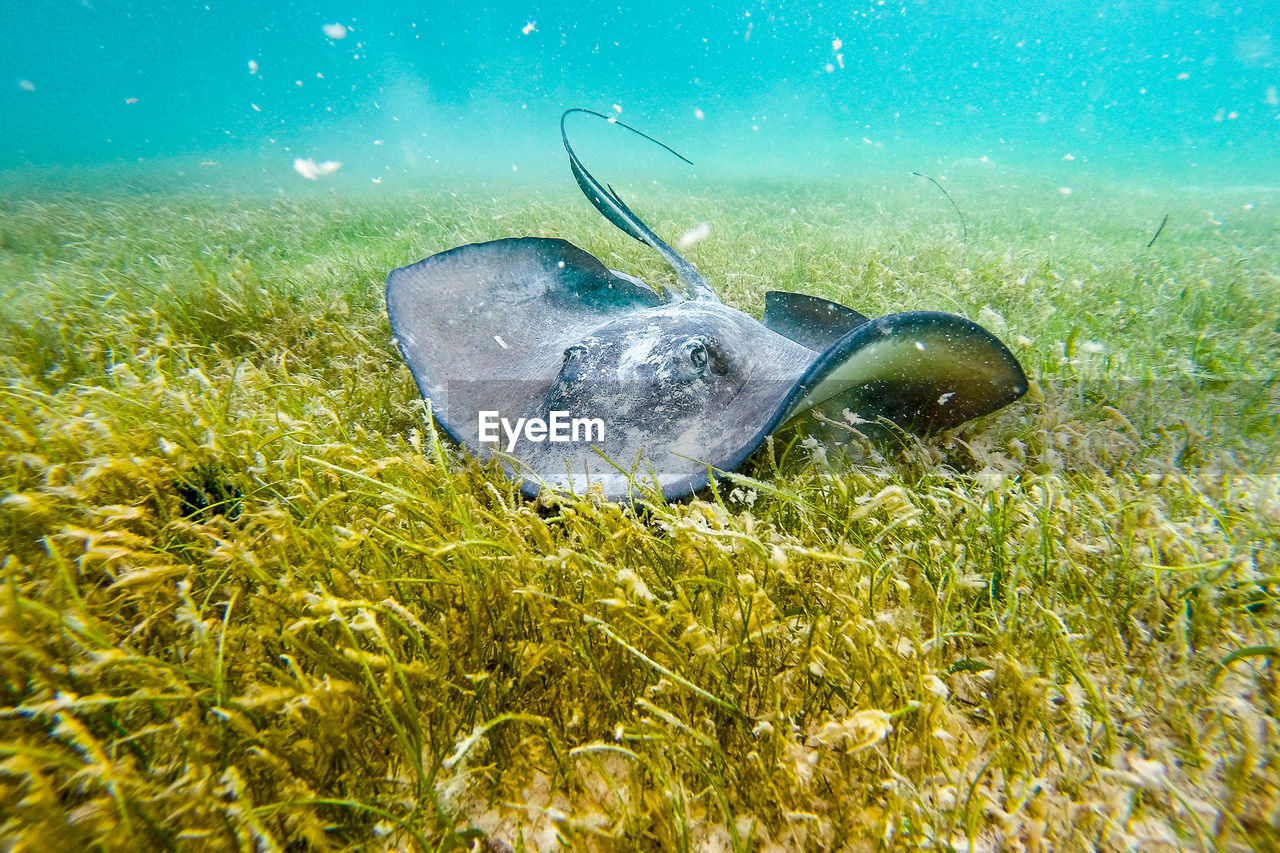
484	326
922	370
811	321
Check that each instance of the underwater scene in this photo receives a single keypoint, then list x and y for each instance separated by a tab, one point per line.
657	426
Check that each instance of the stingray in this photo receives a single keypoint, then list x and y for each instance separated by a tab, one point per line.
533	350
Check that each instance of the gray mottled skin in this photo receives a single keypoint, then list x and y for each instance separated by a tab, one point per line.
683	388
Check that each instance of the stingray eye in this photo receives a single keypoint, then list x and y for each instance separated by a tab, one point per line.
572	367
697	355
694	358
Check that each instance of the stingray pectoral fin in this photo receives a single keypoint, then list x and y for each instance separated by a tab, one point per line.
483	326
920	369
810	321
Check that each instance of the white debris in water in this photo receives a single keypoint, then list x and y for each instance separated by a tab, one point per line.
694	236
253	66
633	583
1151	775
529	27
311	170
337	32
946	398
993	320
501	342
26	85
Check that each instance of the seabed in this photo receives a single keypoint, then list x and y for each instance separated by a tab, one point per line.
249	598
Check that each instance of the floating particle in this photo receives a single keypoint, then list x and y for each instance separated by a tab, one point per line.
1273	97
694	236
376	180
253	66
1065	190
836	44
131	100
531	26
617	109
747	35
829	67
698	114
1068	157
1184	76
311	170
840	59
256	108
26	85
337	32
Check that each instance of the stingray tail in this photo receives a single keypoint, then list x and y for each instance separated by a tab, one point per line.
616	211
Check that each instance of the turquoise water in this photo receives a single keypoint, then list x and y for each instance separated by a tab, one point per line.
397	93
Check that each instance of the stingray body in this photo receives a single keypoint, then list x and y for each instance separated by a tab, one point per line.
576	374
